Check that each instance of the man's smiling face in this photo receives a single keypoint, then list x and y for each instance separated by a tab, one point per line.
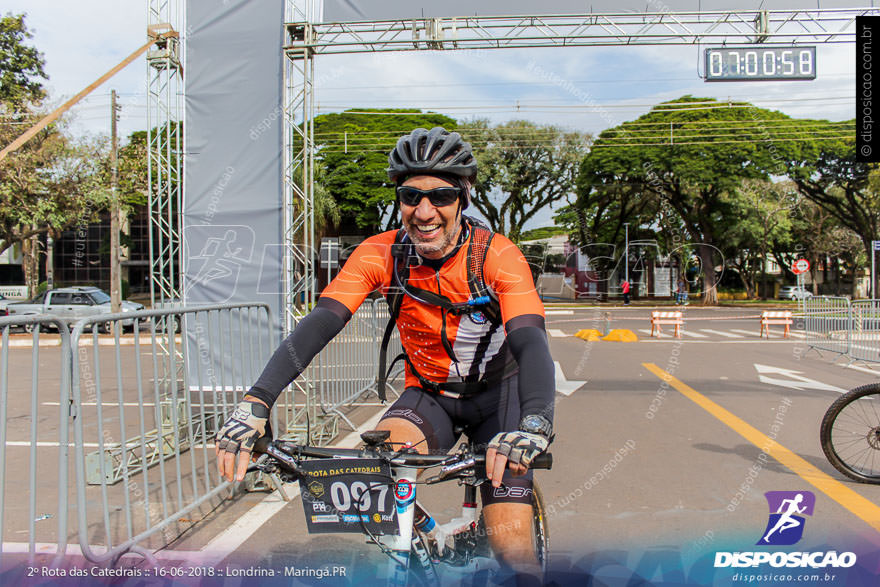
433	229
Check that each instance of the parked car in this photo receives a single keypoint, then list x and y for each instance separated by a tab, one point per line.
71	304
794	292
3	310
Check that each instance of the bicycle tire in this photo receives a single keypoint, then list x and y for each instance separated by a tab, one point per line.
850	434
540	531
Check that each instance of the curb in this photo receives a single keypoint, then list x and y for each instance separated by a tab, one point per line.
85	342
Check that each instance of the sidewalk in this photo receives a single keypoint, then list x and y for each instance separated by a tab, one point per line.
52	339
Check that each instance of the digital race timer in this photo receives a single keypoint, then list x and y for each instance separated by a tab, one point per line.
727	64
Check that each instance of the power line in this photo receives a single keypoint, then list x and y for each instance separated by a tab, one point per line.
526	83
731	103
751	142
550	108
600	145
357	137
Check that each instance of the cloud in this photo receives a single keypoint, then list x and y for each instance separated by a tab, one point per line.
81	40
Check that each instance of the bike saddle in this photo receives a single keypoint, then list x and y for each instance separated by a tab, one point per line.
375	437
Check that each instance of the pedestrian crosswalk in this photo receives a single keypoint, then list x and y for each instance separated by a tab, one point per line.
712	333
721	333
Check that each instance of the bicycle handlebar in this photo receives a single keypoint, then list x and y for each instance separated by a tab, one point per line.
291	449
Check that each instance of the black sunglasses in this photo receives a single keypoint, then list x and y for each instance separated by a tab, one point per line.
438	197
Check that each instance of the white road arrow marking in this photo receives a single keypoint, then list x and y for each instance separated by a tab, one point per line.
794	381
563	385
555	332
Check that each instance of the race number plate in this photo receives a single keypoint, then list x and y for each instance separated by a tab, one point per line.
344	495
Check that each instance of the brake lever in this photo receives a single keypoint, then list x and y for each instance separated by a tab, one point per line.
269	468
455	470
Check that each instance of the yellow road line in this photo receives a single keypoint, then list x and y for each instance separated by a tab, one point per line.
855	503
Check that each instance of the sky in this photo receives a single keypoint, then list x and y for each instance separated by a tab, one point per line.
579	88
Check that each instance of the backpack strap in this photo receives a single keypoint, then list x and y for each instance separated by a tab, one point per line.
400	257
403	254
481	239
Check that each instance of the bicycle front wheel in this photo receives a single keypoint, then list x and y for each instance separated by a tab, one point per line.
850	434
540	531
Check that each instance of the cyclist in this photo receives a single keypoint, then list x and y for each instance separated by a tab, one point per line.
486	367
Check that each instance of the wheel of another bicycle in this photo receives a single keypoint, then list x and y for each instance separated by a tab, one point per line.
850	434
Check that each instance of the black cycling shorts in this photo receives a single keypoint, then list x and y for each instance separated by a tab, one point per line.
482	416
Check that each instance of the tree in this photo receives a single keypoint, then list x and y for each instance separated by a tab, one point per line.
531	166
353	147
764	210
133	175
827	173
604	204
690	153
21	66
818	236
326	209
809	237
48	185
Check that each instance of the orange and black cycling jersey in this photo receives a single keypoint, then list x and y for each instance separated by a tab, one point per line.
478	346
475	350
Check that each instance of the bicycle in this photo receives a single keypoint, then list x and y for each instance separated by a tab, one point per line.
850	434
347	490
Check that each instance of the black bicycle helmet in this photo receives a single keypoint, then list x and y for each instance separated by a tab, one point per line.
431	152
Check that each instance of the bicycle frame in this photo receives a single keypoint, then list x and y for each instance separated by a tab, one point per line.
407	548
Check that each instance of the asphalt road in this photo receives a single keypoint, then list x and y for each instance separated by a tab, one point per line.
658	461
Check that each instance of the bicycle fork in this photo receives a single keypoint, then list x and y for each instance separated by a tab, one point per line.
407	543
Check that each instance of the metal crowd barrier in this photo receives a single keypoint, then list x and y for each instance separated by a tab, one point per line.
153	474
838	325
827	323
865	330
144	408
143	459
346	370
34	439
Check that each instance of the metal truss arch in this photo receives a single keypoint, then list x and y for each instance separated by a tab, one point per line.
307	37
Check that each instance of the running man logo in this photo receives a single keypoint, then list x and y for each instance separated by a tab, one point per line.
215	258
786	524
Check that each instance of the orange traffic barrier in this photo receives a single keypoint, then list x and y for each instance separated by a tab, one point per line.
781	317
668	318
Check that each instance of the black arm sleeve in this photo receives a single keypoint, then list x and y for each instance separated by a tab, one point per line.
537	373
296	352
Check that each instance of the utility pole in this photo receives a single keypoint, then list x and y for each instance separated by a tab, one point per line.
115	281
50	261
626	251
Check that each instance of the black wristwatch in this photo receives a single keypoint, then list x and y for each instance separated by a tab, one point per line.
535	424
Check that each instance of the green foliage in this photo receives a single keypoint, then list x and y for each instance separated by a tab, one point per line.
765	212
681	159
828	174
21	66
353	149
543	232
50	183
523	168
325	207
132	176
